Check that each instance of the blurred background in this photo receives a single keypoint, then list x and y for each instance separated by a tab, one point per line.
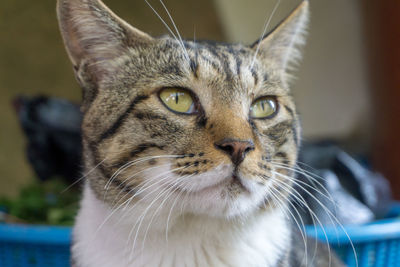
347	86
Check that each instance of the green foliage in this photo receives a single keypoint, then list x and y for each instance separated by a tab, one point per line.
44	203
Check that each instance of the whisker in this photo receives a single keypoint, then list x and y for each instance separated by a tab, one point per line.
313	216
309	177
162	179
280	204
115	209
301	228
162	20
130	164
302	188
139	222
328	212
179	40
173	205
297	182
128	179
298	197
176	29
141	218
148	194
180	181
83	176
265	31
187	193
127	202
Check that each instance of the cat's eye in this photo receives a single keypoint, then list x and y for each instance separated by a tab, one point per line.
178	100
264	107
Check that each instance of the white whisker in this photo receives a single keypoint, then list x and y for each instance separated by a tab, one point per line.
173	205
83	176
301	229
176	29
128	179
328	212
264	31
127	202
179	182
130	164
314	217
162	20
141	218
308	175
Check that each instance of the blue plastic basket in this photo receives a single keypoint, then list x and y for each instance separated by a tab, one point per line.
376	244
34	246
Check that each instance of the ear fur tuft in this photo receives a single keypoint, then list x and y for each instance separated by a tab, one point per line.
94	36
281	45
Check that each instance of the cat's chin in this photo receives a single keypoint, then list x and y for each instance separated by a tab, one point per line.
229	182
220	192
232	197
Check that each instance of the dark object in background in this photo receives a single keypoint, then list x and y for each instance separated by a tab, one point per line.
52	127
352	193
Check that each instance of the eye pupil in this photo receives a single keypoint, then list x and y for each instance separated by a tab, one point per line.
176	98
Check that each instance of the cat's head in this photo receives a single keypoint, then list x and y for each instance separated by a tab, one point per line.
210	126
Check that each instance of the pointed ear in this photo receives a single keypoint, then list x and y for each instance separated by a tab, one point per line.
94	36
280	46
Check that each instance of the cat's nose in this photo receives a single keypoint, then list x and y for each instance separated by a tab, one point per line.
236	149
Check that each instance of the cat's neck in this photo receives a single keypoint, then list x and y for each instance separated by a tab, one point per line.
259	240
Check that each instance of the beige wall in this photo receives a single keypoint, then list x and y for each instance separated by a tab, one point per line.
331	89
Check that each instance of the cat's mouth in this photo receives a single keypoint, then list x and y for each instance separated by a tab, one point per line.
236	180
230	182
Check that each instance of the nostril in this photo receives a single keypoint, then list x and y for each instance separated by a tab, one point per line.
248	149
228	148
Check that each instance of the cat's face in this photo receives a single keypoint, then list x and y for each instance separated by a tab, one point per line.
210	126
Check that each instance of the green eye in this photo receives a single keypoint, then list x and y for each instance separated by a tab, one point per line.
177	99
263	107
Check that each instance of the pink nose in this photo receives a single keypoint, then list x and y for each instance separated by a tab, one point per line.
236	149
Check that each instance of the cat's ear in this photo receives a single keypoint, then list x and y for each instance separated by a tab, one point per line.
94	37
280	46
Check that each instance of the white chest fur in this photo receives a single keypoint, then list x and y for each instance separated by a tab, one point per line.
192	241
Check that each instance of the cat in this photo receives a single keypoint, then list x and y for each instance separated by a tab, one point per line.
188	146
